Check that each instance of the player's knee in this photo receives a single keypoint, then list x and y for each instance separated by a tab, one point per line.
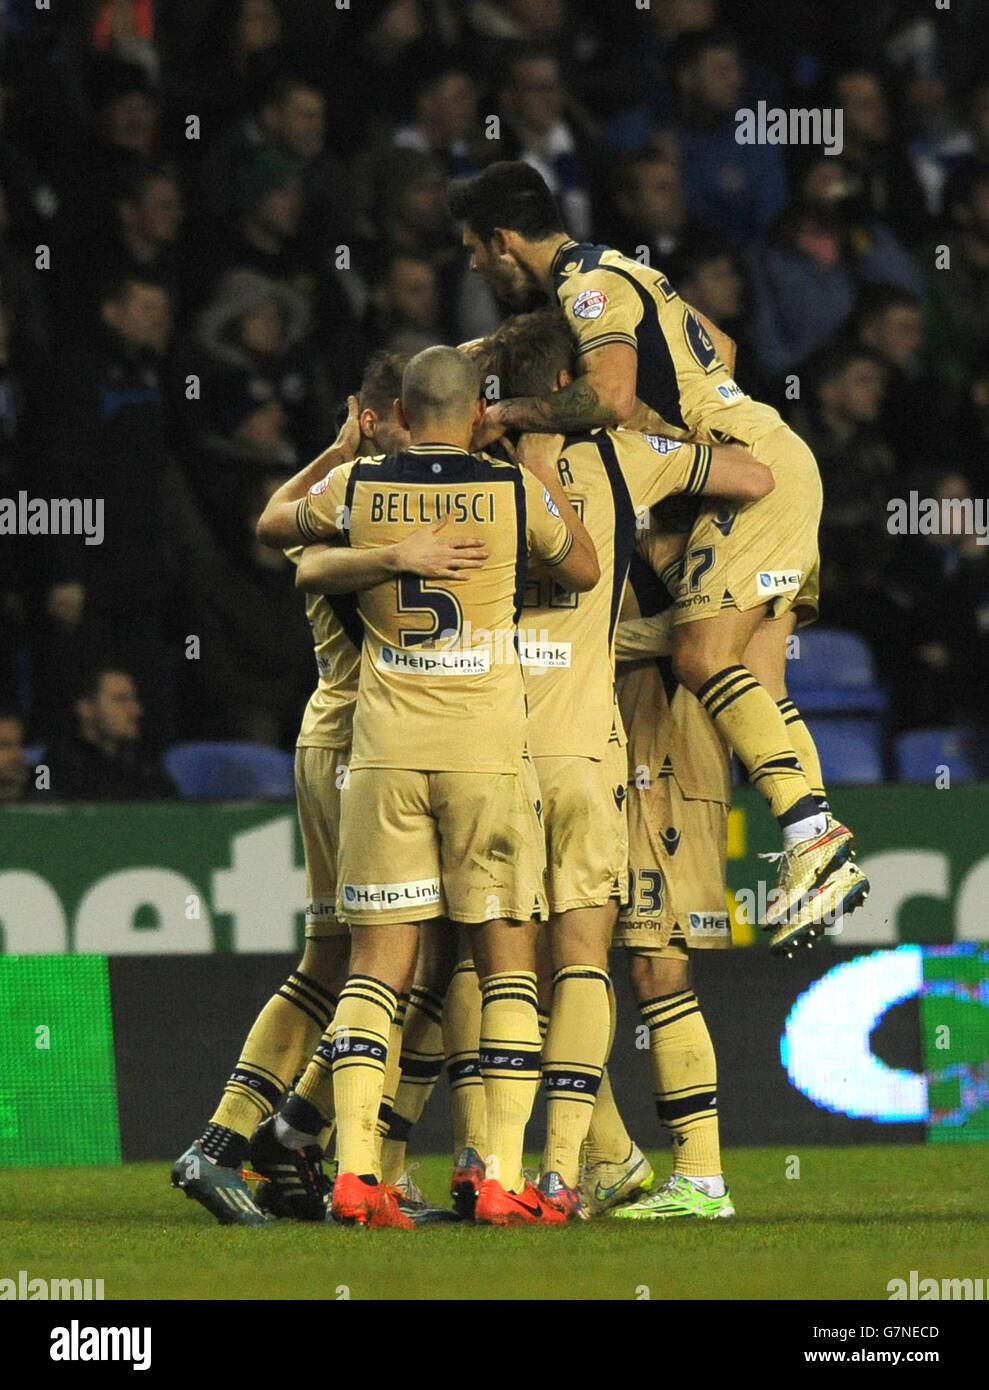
438	956
653	976
327	961
691	665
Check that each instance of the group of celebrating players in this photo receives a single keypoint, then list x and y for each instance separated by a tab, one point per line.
488	803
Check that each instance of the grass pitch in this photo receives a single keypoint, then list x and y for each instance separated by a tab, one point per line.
854	1219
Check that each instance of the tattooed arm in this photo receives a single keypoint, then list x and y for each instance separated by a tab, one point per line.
603	394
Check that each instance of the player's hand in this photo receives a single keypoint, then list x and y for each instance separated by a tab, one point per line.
433	556
348	441
488	428
539	451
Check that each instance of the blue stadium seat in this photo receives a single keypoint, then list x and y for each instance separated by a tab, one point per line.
833	673
35	754
230	770
920	752
851	750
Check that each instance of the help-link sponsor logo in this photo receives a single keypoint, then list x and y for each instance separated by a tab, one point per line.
778	581
543	655
380	897
75	1343
433	661
472	651
706	924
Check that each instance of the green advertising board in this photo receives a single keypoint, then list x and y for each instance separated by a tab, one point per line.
195	877
58	1088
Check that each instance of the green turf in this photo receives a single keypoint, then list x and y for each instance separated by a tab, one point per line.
852	1221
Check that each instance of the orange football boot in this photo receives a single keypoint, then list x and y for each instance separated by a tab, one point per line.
359	1203
496	1206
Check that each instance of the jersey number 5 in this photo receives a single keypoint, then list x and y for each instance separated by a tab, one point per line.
414	597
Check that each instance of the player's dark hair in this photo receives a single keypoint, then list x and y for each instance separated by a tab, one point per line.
382	381
439	383
509	194
10	713
529	352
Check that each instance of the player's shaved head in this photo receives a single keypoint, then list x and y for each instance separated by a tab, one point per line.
439	385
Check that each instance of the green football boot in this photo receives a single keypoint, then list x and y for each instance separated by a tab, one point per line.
677	1197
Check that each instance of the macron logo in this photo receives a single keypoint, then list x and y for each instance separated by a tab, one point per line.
75	1343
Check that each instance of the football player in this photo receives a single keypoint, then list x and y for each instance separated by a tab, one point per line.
649	361
439	818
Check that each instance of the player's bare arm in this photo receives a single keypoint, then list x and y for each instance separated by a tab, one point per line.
735	474
637	639
337	569
580	570
603	394
278	525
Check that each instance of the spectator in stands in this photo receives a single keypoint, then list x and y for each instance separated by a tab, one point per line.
255	669
709	277
264	236
411	210
644	83
238	53
943	140
20	560
889	190
737	190
935	649
125	136
24	301
15	775
412	218
290	122
406	302
974	425
538	131
859	473
252	340
104	759
142	240
126	28
806	272
889	321
959	291
649	198
107	440
446	124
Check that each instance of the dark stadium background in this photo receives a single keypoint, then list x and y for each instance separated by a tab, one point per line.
261	183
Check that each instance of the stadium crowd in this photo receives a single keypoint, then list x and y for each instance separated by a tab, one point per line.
212	214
